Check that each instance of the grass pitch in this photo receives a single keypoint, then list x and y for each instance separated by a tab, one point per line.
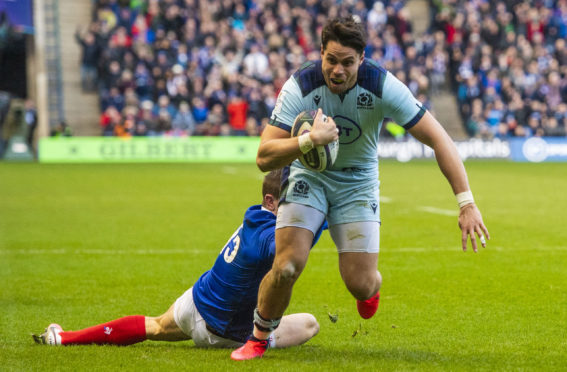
84	244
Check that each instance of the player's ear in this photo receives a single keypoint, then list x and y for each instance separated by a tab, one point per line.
270	203
361	58
322	50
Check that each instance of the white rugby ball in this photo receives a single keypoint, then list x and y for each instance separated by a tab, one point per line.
320	157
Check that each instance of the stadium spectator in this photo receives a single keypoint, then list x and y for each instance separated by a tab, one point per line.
90	51
257	108
218	310
377	17
164	121
200	110
30	118
252	127
111	75
165	106
214	122
255	62
237	110
183	122
146	122
113	98
109	119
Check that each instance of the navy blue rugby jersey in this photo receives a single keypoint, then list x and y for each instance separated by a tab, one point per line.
227	294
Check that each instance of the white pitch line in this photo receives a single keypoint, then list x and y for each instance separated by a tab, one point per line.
104	252
454	248
443	212
229	170
326	250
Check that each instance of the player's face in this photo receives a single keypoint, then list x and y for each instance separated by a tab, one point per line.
340	66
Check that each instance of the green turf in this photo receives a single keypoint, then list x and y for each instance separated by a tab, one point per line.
84	244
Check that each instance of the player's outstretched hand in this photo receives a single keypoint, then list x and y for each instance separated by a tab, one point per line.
470	222
324	129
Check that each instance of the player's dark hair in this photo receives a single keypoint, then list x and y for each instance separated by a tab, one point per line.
272	183
346	31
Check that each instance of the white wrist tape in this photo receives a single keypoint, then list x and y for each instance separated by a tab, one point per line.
464	198
305	143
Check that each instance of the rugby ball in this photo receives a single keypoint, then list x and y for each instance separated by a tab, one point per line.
320	157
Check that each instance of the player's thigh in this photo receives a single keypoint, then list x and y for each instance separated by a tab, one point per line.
358	244
203	338
296	226
357	237
299	215
189	321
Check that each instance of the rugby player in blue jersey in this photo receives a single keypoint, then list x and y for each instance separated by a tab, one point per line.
218	310
355	94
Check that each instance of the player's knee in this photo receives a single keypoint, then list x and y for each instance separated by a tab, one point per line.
359	292
363	288
154	328
287	272
312	325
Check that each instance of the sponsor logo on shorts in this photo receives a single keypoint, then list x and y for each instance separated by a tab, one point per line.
301	188
107	330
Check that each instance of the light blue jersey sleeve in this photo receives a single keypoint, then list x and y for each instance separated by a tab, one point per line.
399	103
288	105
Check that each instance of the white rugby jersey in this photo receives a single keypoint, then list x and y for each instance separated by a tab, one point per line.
358	113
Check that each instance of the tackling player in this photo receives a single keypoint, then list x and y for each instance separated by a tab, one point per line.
218	310
356	94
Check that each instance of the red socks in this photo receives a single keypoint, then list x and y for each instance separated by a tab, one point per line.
124	331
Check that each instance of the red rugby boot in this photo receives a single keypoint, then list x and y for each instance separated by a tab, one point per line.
253	348
367	308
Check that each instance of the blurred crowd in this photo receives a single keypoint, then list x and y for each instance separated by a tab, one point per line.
507	64
215	67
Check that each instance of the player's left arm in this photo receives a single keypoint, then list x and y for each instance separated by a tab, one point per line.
431	133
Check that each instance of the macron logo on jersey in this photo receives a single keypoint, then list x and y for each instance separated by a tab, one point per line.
317	99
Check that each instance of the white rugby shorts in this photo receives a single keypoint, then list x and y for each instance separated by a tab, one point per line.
190	321
362	236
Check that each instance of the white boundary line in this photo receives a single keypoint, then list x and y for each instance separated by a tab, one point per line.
434	210
109	252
